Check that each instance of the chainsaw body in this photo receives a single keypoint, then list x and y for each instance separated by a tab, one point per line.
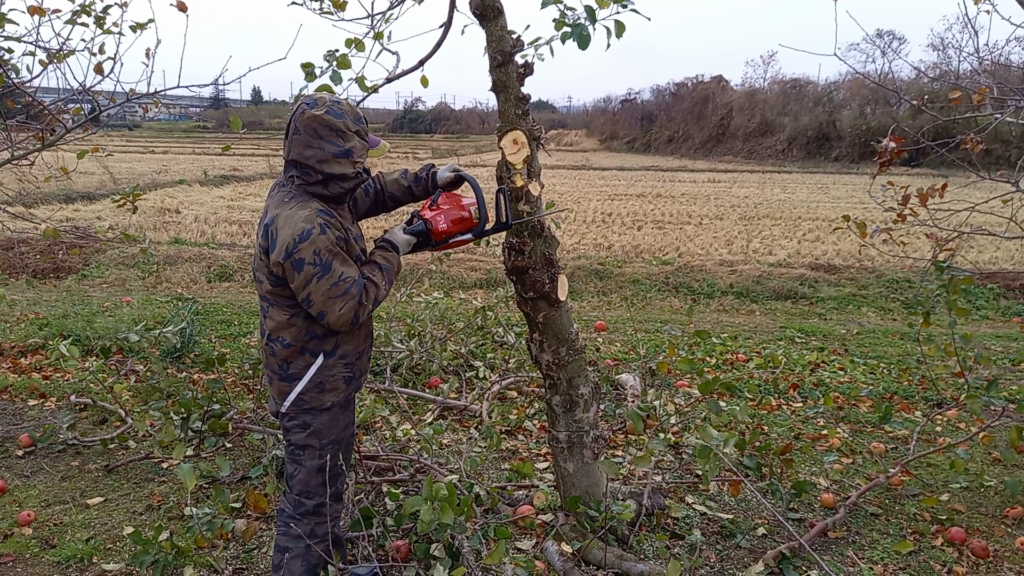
449	220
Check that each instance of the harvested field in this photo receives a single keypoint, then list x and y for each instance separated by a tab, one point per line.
621	206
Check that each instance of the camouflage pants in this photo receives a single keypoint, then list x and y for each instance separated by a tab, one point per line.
308	517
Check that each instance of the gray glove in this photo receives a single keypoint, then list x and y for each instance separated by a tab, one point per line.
400	238
448	178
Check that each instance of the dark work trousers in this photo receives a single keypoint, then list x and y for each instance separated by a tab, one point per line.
317	452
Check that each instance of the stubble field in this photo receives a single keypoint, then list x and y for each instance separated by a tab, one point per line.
722	284
621	206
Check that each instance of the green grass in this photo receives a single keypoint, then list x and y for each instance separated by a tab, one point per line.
842	337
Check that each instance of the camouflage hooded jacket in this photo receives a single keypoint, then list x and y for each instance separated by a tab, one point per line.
318	285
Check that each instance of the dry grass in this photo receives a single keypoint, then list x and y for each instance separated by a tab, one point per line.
622	206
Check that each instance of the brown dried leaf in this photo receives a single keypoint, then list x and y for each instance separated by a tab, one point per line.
181	6
959	508
956	97
37	11
256	502
250	531
735	488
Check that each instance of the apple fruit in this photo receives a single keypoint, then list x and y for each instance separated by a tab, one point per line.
3	487
956	535
952	414
682	384
741	358
25	441
522	515
26	517
838	467
1014	513
877	448
896	482
400	550
600	326
1019	544
828	500
979	549
434	383
1018	320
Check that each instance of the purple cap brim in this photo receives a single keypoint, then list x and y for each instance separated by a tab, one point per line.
378	147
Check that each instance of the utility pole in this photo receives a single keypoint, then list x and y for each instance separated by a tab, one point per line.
165	79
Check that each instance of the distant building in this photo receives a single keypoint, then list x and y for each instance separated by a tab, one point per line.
163	108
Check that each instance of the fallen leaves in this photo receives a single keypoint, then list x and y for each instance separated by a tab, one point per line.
256	502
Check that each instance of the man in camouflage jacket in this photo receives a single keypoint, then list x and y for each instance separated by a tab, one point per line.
318	287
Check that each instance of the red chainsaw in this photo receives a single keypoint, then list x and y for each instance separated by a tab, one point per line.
449	220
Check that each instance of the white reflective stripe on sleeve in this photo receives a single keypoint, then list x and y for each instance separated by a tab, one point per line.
302	383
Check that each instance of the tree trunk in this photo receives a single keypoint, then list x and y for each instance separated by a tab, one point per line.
531	264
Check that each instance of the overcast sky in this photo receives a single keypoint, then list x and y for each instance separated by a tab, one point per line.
683	38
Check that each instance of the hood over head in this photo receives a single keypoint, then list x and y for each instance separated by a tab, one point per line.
327	142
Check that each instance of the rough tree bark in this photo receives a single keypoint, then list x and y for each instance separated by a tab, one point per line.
531	264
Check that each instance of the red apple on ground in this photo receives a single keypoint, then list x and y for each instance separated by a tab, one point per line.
682	384
979	549
26	517
600	326
1014	513
877	448
741	358
828	500
25	441
952	414
400	550
523	514
956	535
434	383
1019	544
3	487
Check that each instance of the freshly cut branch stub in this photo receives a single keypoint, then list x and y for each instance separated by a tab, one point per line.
515	146
563	287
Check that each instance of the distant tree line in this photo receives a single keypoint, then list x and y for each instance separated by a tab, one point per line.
770	115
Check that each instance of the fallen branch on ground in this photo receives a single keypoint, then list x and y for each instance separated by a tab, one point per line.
132	460
96	439
496	389
605	557
472	409
560	562
771	557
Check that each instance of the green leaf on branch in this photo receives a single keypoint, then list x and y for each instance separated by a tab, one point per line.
620	29
674	568
82	154
582	37
308	71
324	88
343	62
187	473
424	81
549	3
236	124
336	78
591	15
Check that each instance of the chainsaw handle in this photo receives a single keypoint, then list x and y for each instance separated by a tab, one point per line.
481	202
